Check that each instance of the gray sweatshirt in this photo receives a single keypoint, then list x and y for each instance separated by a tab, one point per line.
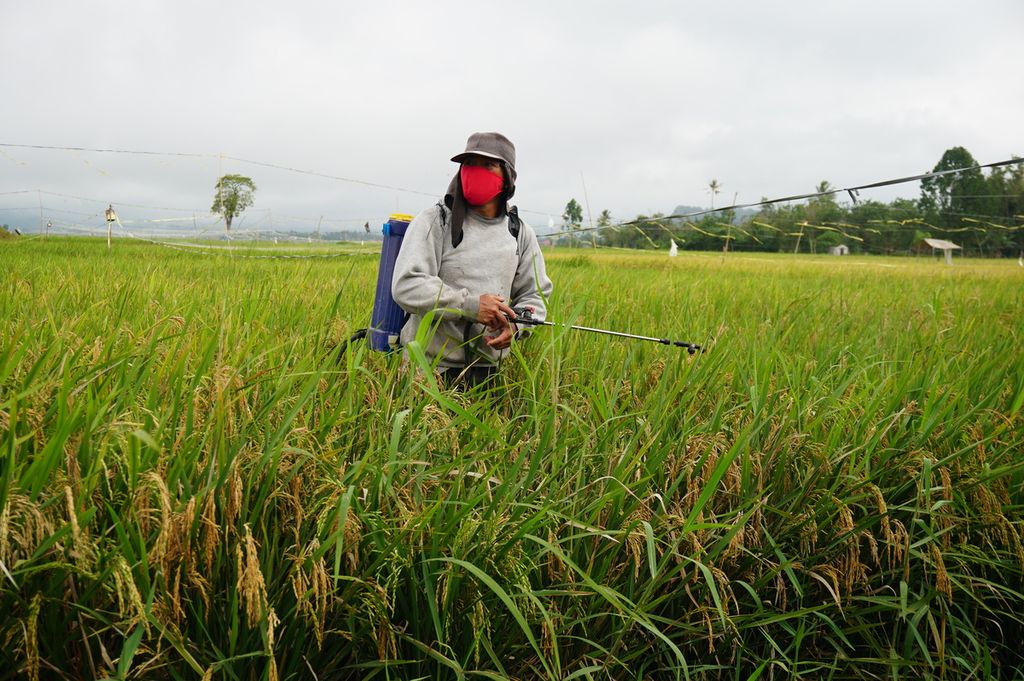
432	275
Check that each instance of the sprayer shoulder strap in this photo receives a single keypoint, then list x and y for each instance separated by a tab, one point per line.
515	223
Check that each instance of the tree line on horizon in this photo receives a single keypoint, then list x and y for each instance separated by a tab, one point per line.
982	213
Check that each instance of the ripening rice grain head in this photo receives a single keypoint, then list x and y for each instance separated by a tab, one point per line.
173	600
548	637
295	510
272	623
754	529
376	607
987	504
832	579
1018	546
555	566
883	512
872	544
251	588
724	587
898	548
83	551
32	637
211	532
849	565
5	532
781	599
808	528
734	550
311	586
23	527
480	620
636	540
942	583
353	535
199	582
71	457
654	372
130	606
444	438
233	506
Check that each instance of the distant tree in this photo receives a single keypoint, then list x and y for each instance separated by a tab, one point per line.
1007	188
573	215
820	211
646	232
233	194
714	187
604	223
946	198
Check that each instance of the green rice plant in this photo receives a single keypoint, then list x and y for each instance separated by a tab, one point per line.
191	485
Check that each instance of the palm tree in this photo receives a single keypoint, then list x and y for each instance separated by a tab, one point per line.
714	187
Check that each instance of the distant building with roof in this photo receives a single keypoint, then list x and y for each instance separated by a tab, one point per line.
947	247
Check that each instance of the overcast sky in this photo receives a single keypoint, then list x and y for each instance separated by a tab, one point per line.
645	102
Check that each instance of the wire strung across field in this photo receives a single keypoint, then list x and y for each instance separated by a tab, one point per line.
206	249
211	156
852	191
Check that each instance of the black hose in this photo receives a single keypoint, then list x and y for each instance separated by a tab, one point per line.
360	334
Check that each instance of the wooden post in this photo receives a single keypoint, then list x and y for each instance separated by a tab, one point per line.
111	216
800	236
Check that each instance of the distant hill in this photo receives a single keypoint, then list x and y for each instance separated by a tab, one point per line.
741	214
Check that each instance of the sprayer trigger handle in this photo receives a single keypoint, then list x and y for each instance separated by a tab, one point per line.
690	347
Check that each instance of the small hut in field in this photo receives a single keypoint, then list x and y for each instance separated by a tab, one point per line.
841	249
947	247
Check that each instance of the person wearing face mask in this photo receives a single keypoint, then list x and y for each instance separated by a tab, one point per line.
471	259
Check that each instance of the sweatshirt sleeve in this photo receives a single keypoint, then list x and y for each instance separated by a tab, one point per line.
531	286
415	285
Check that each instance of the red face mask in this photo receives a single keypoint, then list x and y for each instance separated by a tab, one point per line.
480	185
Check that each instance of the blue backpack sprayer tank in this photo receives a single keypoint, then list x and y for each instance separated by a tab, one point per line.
388	318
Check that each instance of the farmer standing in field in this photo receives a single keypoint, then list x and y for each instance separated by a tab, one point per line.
473	259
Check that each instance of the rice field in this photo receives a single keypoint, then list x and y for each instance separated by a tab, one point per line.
193	486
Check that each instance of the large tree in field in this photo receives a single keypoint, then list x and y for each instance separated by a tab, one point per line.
233	194
947	197
572	218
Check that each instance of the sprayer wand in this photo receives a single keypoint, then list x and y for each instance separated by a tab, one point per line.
525	316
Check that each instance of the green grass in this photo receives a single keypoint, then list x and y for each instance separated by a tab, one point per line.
190	485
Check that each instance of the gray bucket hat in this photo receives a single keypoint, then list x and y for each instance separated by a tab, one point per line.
492	145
